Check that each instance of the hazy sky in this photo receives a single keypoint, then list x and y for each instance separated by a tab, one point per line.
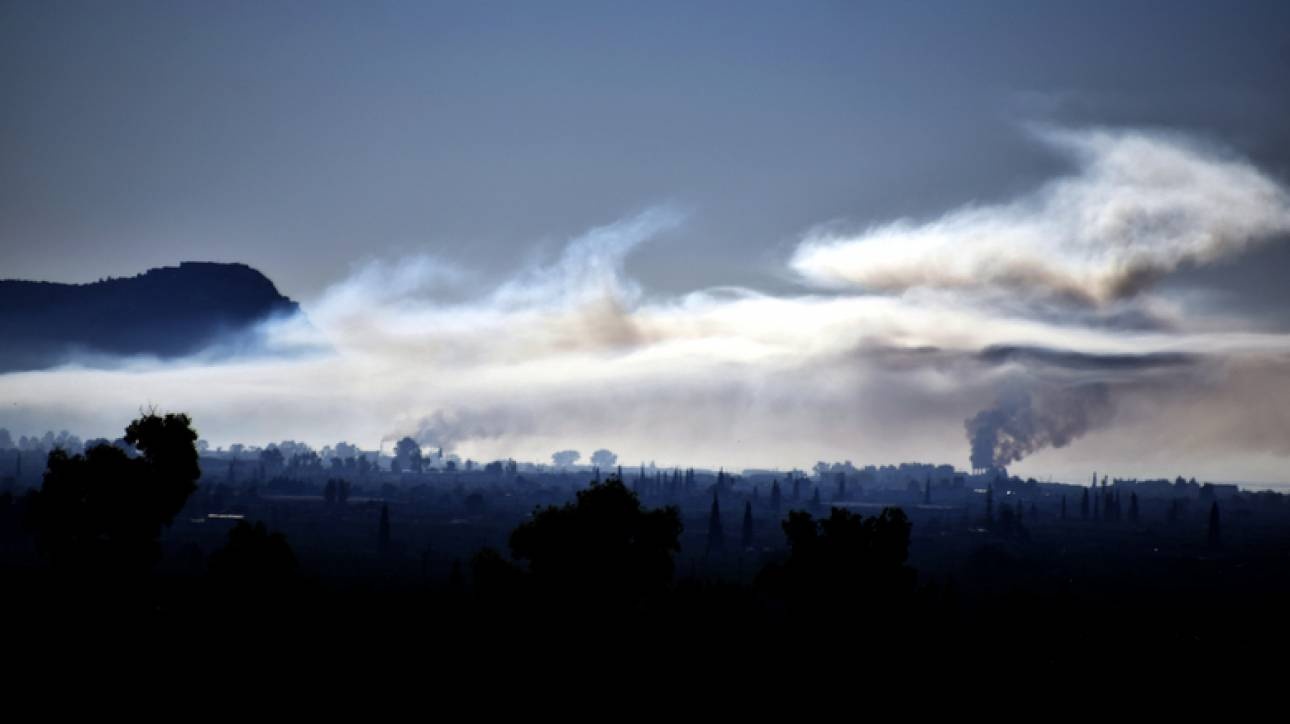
959	197
301	137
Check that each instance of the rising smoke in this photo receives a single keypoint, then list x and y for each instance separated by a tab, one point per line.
446	429
1021	422
571	353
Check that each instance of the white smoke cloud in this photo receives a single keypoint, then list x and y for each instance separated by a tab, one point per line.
572	354
1138	206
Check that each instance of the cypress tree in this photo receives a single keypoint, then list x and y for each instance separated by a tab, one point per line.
383	533
716	537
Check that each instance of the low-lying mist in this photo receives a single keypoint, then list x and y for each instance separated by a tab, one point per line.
889	351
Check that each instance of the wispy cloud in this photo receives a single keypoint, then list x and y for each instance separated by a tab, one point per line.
1138	206
972	321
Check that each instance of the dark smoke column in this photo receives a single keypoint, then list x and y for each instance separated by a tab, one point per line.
1016	426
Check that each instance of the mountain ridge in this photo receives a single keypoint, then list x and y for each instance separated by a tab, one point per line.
164	312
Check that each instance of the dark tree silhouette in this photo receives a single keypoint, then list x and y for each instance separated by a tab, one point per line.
271	461
602	544
746	539
716	535
496	579
844	561
253	557
1214	534
1010	523
407	455
383	531
776	497
102	512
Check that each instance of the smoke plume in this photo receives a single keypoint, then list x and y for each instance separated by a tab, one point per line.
1139	206
569	352
1018	424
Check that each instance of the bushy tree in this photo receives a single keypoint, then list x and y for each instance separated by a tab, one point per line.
844	560
272	460
253	556
604	459
565	458
602	544
103	511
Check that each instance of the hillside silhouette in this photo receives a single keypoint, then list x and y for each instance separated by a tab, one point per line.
164	312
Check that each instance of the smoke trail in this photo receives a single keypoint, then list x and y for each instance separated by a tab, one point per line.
1017	425
571	351
446	429
1138	206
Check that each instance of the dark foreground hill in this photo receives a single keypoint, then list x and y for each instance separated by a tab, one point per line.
165	312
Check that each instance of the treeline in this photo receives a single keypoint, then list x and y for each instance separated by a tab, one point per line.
604	566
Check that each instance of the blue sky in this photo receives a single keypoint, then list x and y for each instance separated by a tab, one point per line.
303	137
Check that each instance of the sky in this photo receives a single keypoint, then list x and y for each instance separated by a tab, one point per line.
700	233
